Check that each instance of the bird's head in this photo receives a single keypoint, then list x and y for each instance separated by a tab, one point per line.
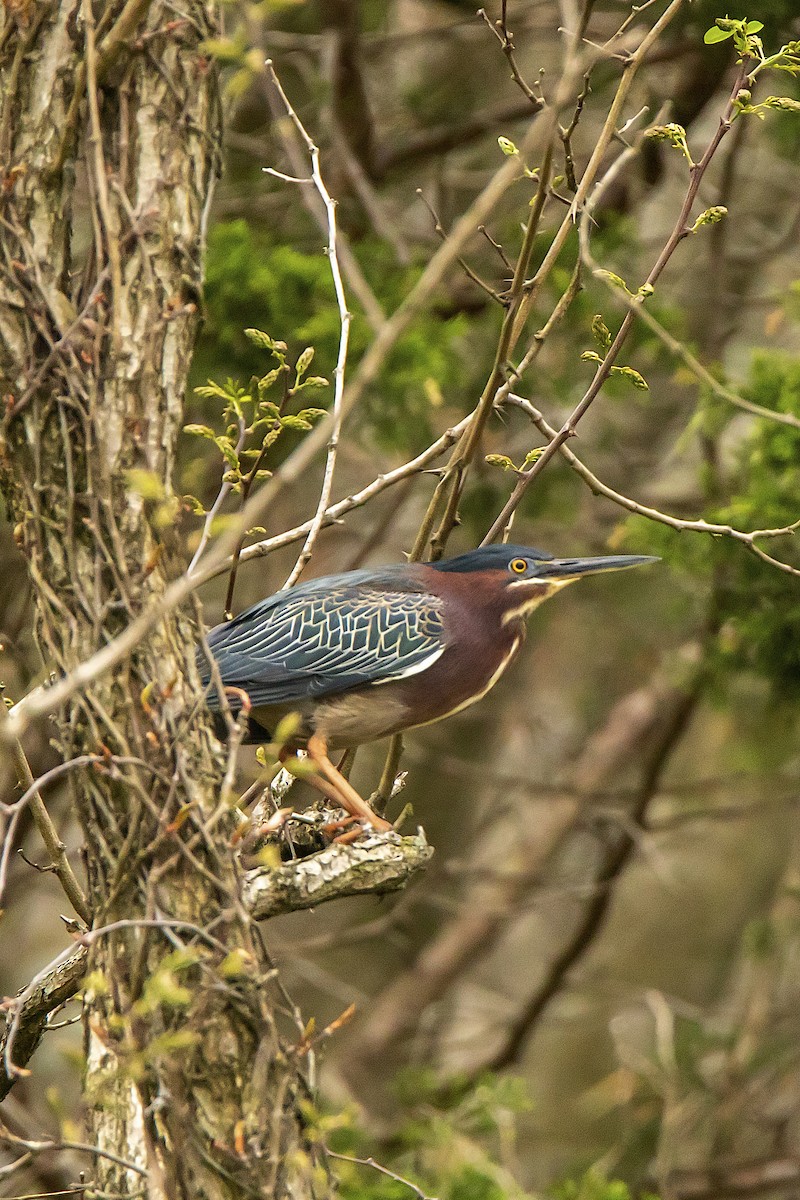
521	577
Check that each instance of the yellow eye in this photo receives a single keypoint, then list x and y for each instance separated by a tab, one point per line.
518	565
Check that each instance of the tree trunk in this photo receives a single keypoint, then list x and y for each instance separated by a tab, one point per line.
108	124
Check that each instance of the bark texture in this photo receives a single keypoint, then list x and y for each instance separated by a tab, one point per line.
108	123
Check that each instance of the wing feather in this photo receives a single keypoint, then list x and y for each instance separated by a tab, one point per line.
319	639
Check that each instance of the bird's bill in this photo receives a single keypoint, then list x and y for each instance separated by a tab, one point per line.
567	569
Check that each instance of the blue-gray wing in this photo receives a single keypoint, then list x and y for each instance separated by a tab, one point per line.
309	642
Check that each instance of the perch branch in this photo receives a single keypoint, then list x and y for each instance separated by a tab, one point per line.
374	865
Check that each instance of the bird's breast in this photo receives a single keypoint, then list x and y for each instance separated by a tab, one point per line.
467	670
478	649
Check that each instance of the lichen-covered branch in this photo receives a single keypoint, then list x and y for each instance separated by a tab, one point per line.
373	865
57	986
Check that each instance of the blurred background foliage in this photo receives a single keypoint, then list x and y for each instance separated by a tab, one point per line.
594	992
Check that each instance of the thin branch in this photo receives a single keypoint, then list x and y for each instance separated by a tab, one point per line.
222	495
48	1145
56	850
605	137
440	230
680	351
376	1166
344	334
375	865
314	201
679	232
599	488
506	39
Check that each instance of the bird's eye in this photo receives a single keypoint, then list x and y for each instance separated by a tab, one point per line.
518	565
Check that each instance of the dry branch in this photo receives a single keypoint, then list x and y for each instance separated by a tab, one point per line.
374	865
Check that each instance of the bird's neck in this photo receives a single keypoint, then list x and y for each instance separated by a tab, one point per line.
517	608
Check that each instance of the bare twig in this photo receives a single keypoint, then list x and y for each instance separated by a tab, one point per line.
506	39
607	133
344	334
679	232
680	351
599	488
50	1144
314	200
440	230
56	849
376	1166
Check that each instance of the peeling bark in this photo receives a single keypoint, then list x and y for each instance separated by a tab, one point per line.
108	137
373	865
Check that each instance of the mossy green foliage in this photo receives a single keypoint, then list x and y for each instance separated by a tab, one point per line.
445	1148
593	1185
777	16
253	279
756	605
447	1141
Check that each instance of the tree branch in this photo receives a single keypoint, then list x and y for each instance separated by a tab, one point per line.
679	232
375	865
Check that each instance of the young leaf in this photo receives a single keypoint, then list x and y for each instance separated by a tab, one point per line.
266	381
227	451
304	362
632	376
600	332
715	34
507	146
500	460
782	103
710	217
145	483
263	340
616	280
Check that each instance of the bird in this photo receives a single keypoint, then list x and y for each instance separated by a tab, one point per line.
373	652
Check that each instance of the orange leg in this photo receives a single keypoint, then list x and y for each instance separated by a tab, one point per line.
346	794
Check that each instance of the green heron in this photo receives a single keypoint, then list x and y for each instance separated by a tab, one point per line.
369	653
